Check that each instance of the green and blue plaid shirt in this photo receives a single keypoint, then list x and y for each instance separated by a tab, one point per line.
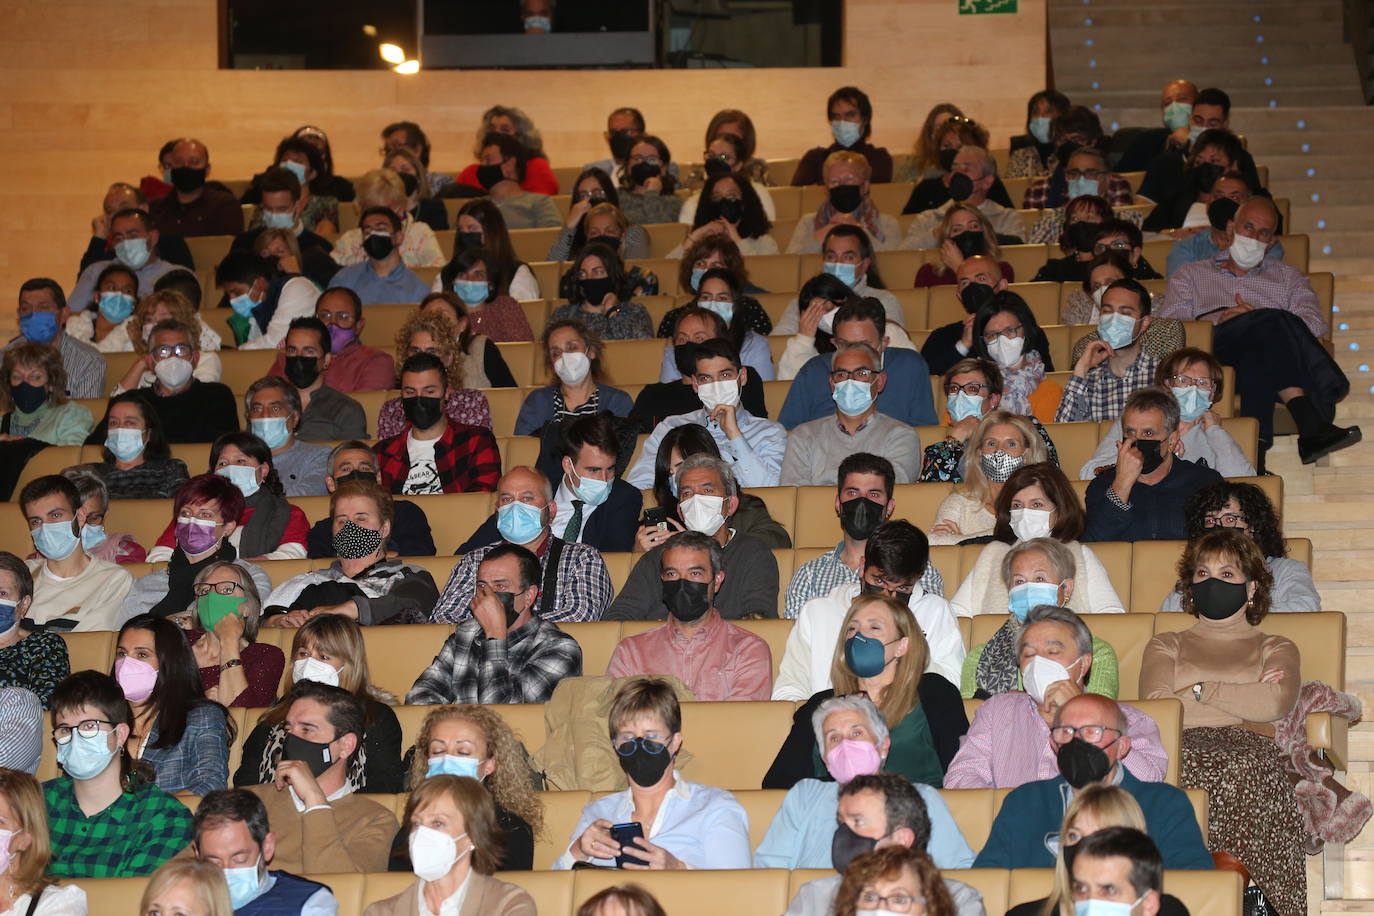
130	838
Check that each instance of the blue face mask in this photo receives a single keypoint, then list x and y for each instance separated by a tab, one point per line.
278	220
85	758
472	292
241	476
125	444
591	491
726	310
449	765
853	397
294	168
243	305
846	133
39	327
848	274
519	523
538	22
92	536
116	306
962	405
1040	129
56	540
1028	595
1177	114
271	430
1116	329
1081	186
243	883
865	657
9	615
1193	402
132	253
697	273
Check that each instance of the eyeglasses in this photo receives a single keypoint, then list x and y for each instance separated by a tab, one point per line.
650	160
973	388
343	319
1093	174
219	588
1118	245
87	728
861	374
899	902
182	350
1185	381
1229	520
1008	332
1063	734
625	747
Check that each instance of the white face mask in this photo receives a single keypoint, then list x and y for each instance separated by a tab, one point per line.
1247	252
1030	523
572	368
433	852
173	372
311	668
1007	350
702	513
714	394
1040	674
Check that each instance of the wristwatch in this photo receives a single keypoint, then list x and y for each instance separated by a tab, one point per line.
1197	692
232	663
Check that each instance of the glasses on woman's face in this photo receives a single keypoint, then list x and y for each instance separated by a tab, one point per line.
1187	381
219	588
87	728
626	746
897	903
1224	520
976	389
1008	332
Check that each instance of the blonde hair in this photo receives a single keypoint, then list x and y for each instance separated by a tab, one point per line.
207	879
976	485
900	697
602	209
287	237
440	327
927	153
422	189
1110	806
182	309
25	797
381	188
990	246
33	355
338	637
853	158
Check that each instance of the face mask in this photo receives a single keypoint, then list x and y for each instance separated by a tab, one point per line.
860	517
1040	129
302	371
1247	252
726	310
1218	600
294	168
1177	114
853	397
1081	763
686	600
186	179
6	856
1080	187
1204	176
472	292
848	274
846	846
9	619
1097	299
970	244
488	176
714	394
311	668
621	142
998	466
852	758
137	678
196	536
1116	329
1104	907
572	368
243	882
243	305
56	540
962	405
538	24
596	289
39	327
1022	598
469	240
973	296
1150	454
353	541
314	754
378	246
213	607
28	398
1192	402
1083	235
697	273
357	475
1006	350
85	758
846	133
241	476
519	523
507	600
827	323
643	171
92	536
116	306
702	513
960	187
422	412
643	767
1041	673
271	430
278	220
1030	523
409	183
946	159
865	657
731	209
716	167
592	491
339	339
846	197
1194	131
173	372
449	765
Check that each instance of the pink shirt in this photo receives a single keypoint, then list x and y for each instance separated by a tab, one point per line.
357	367
719	661
1008	744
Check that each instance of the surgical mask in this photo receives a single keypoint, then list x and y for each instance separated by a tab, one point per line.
136	678
591	490
860	517
132	253
1192	402
1151	454
271	430
212	607
1177	114
6	855
846	846
726	310
852	758
542	23
241	476
962	405
853	397
353	541
714	394
846	197
1218	600
92	536
865	657
378	246
1041	673
449	765
1194	131
243	882
827	323
1030	523
848	274
9	619
686	600
571	368
1078	187
116	306
999	465
314	754
56	540
1081	763
1092	907
1022	598
39	327
472	292
294	168
697	273
1097	300
1116	329
702	513
519	523
1006	350
173	372
196	536
339	338
85	758
1247	252
1040	129
243	305
278	220
311	668
846	133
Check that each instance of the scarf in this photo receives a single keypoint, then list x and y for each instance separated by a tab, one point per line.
1019	384
997	666
271	756
867	215
264	530
181	578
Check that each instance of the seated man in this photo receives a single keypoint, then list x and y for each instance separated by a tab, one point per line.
856	737
381	278
753	446
1142	497
433	454
265	301
1114	365
1089	735
320	825
659	400
190	410
977	278
43	313
326	414
504	652
979	171
816	448
1228	192
1087	175
708	496
573	585
863	478
1121	866
273	408
905	398
1268	324
354	460
124	196
72	590
875	811
1007	743
895	560
1166	175
195	208
280	205
846	177
135	241
592	505
847	255
1176	109
717	660
352	365
230	831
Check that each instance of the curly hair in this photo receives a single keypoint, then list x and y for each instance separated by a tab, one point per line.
182	309
927	153
889	862
439	327
1231	545
509	784
590	339
34	355
1260	518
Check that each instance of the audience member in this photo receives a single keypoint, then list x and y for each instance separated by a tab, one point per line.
1176	110
1117	234
898	877
591	189
730	206
222	628
410	533
1084	306
503	162
115	546
481	225
711	252
315	206
103	321
384	188
42	314
513	122
1211	113
265	300
732	140
270	527
28	850
326	414
1034	153
190	410
623	127
1114	365
600	299
177	295
381	277
850	114
30	660
409	136
846	176
273	408
717	291
648	179
349	364
823	294
619	899
1002	443
421	203
924	161
973	173
194	208
287	206
1121	866
135	244
466	358
1005	331
474	277
34	401
186	886
124	196
1207	241
938	184
572	357
137	462
962	233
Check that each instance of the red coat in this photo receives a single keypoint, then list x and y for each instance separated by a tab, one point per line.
539	177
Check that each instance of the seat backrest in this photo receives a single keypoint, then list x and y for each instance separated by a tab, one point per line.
1153	574
517	451
519	357
1207	893
745	892
760	805
145	519
773	632
1116	557
396	655
972	810
733	744
505	407
629	362
599	638
552	891
453	517
990	882
561	813
52	460
92	650
1075	443
782	508
115	895
526	720
1168	716
241	368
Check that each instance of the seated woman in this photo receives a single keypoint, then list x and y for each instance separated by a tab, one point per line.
481	225
1194	378
887	876
572	355
183	736
727	153
28	891
1035	572
882	652
717	251
1001	328
384	188
473	276
34	401
952	135
621	900
187	887
600	299
846	177
592	189
35	660
647	184
362	583
103	322
319	210
705	828
731	207
717	293
1036	501
1086	213
1244	507
271	528
1162	337
326	183
137	461
329	649
962	233
454	841
283	249
924	160
1005	441
113	547
1229	674
847	253
1033	153
156	307
433	329
823	295
1186	191
474	741
509	120
973	388
422	204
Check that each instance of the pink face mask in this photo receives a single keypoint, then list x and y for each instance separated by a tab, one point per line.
852	758
195	535
137	678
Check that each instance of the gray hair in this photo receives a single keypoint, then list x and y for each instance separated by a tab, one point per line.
703	460
989	162
874	355
876	722
1052	613
252	601
695	540
292	396
1059	555
88	483
1153	399
348	445
1093	151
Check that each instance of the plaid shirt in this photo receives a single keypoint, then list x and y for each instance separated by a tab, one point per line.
522	668
465	457
584	586
1100	395
1038	193
819	577
131	838
1205	286
1049	225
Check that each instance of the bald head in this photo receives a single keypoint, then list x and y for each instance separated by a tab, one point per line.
1258	219
980	269
1177	91
524	484
1091	709
190	153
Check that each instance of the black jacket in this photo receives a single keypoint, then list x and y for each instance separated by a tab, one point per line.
1156	512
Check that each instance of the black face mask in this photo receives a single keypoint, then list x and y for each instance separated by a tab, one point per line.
946	158
186	179
302	371
469	240
1083	235
641	172
507	600
315	756
622	141
1081	763
960	186
378	247
715	167
846	197
846	846
860	516
410	182
686	600
970	243
1150	455
731	209
1205	174
489	175
422	412
973	296
643	768
357	475
1217	600
1220	212
28	398
594	289
868	588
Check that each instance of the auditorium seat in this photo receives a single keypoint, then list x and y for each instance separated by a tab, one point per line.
625	361
734	743
520	359
241	368
747	892
519	450
51	460
537	314
1157	561
598	639
1042	297
547	275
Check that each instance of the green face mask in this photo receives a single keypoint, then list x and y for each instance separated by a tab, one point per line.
214	607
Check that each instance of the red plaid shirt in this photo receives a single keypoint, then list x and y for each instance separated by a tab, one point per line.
1038	193
465	457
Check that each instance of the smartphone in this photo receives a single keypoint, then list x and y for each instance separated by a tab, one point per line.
624	835
655	517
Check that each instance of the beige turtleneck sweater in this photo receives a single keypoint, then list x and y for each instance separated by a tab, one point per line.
1227	657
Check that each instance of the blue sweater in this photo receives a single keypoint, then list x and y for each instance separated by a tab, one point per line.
906	397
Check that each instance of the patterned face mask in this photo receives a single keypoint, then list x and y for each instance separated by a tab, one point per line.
353	541
999	465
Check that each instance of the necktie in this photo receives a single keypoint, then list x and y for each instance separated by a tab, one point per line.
574	529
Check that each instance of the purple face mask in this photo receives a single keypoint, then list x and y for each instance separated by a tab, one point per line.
196	536
340	337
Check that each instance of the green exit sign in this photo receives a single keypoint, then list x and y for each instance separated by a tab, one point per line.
980	7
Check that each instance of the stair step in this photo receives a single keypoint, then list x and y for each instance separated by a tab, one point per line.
1250	119
1196	15
1329	216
